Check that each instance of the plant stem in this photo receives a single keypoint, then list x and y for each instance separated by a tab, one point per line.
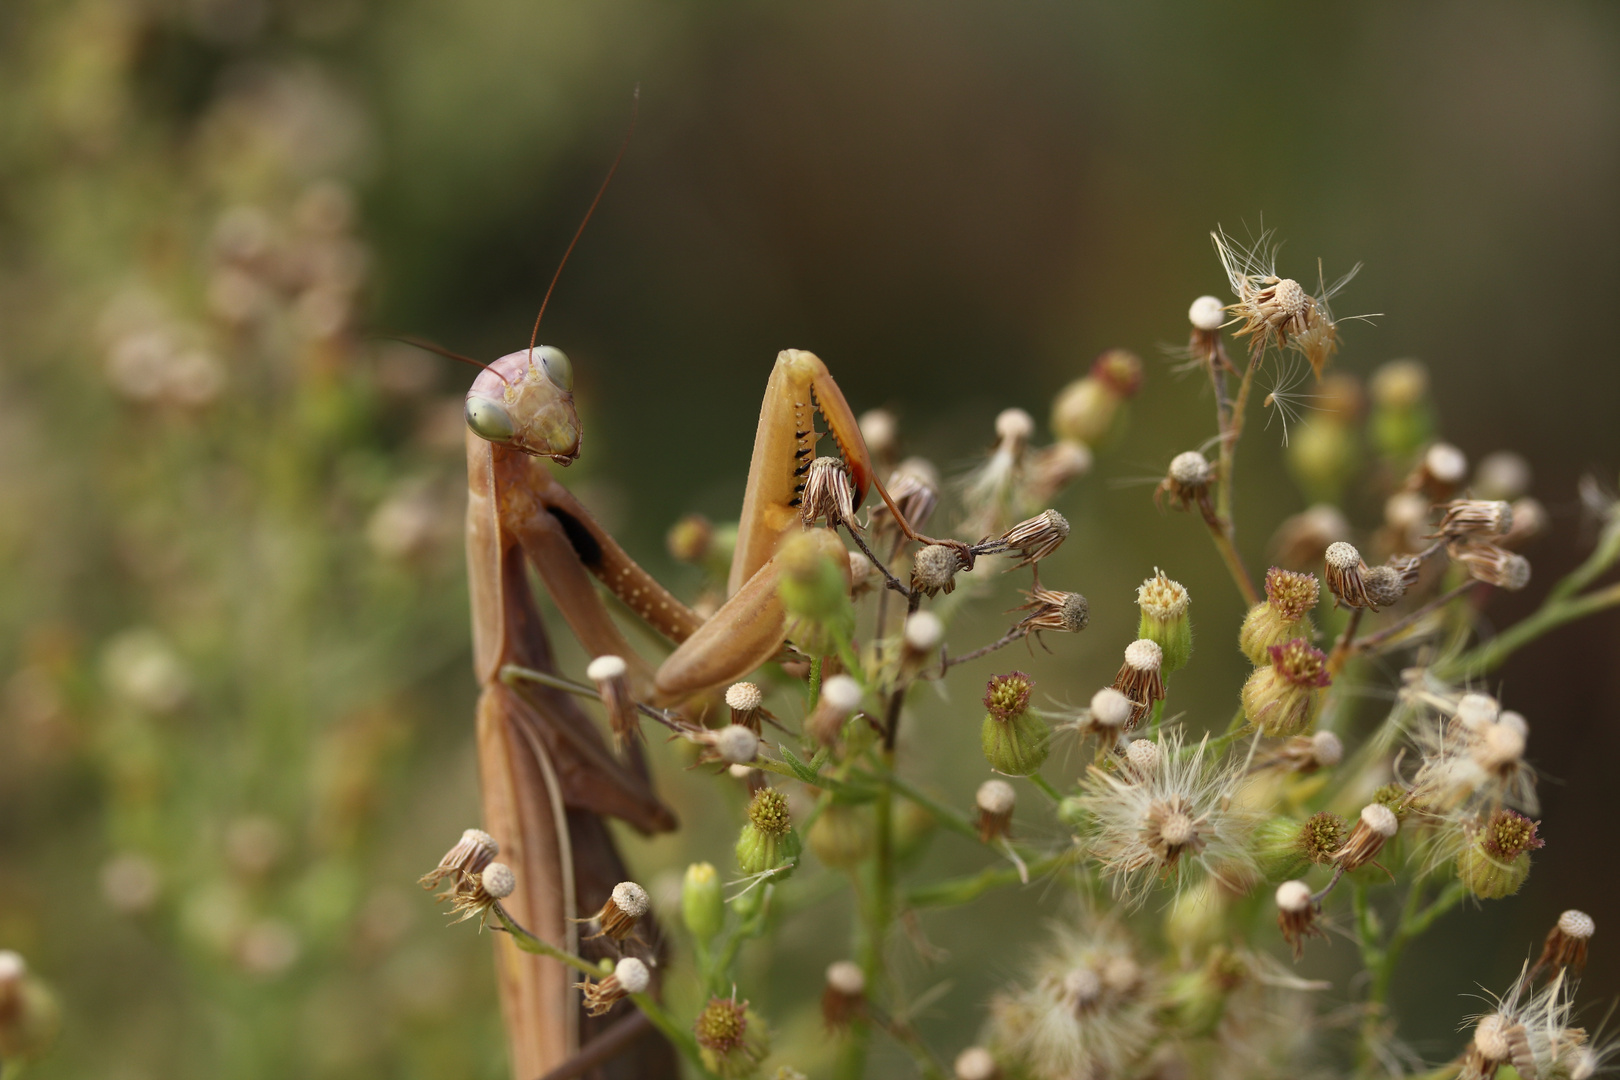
1602	557
1551	615
955	891
1372	641
1341	651
1041	782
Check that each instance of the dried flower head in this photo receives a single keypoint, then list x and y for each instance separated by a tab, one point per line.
1207	313
630	976
1523	1030
624	907
1187	482
1489	563
1139	677
827	493
1440	472
989	492
840	697
995	800
1165	818
478	894
1061	612
471	854
1502	475
1374	828
843	995
1296	915
1053	468
1277	310
1345	575
1566	944
914	487
1307	753
745	700
1384	586
934	569
611	676
1303	539
1035	538
1475	517
880	431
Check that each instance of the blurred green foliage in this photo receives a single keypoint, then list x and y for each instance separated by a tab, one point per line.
233	632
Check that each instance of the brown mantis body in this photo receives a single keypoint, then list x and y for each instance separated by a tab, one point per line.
548	777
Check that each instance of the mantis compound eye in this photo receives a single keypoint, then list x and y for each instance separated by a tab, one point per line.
558	368
489	420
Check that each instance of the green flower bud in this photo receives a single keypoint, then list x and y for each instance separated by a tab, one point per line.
914	826
1197	918
1197	999
731	1038
1324	451
814	589
841	837
1286	697
1278	848
1165	620
1283	616
1401	421
1089	410
1015	740
1497	859
768	841
702	906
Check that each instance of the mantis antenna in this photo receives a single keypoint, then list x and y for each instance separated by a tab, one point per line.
635	108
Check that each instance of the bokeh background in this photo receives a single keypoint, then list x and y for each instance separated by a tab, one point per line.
233	637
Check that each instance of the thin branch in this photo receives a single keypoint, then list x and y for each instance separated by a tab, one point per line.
1372	641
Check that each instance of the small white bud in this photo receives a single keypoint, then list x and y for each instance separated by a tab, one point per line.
924	631
846	977
633	975
1206	313
14	967
498	880
736	744
996	797
879	430
744	696
1514	722
606	667
1110	708
740	772
1293	896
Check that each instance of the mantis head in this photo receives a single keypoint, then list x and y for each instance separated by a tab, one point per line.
525	400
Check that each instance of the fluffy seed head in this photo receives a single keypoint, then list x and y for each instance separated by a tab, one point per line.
1143	756
1475	712
498	880
1380	819
1327	749
744	696
1014	425
1490	1036
996	797
1206	313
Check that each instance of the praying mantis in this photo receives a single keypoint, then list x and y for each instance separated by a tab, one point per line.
548	778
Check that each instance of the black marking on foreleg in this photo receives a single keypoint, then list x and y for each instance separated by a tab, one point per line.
584	542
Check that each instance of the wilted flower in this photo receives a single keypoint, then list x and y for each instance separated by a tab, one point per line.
1566	944
1187	483
844	994
1035	538
630	976
995	800
1296	915
1140	677
1472	759
1049	609
623	909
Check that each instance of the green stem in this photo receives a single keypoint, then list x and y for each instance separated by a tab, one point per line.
955	891
1604	556
877	912
1221	531
1551	615
1041	782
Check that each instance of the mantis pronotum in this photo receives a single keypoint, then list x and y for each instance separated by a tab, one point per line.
548	777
